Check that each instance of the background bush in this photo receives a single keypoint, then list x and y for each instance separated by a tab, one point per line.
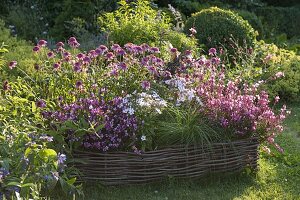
279	20
138	23
217	27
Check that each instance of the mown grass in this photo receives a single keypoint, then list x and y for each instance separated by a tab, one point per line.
278	178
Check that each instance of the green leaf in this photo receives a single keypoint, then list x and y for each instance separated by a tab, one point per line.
71	181
47	154
33	107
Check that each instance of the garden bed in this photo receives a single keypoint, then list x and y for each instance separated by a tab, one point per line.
119	168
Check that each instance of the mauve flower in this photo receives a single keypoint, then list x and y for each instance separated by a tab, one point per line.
103	48
173	50
115	47
56	65
145	85
154	50
36	66
79	84
12	64
40	103
80	56
50	54
212	51
122	66
42	43
77	67
36	48
109	55
73	42
6	85
60	44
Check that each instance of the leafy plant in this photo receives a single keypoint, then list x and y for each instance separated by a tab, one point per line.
138	22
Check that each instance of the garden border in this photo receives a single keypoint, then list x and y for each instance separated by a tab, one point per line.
120	168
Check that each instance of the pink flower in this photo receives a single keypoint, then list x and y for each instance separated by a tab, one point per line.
42	43
279	74
212	51
73	42
36	49
60	44
193	31
277	99
56	65
122	66
145	85
50	54
12	64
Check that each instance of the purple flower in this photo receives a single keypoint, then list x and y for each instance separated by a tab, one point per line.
50	54
109	55
173	50
154	50
5	85
60	44
79	84
42	43
46	138
80	56
40	103
122	66
56	65
12	64
61	158
36	66
73	42
145	85
77	67
36	49
212	51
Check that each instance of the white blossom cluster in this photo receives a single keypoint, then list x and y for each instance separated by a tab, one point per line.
184	93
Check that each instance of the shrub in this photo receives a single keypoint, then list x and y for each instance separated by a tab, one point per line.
138	23
215	26
254	21
273	60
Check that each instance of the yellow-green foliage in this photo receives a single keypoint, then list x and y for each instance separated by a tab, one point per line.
139	23
273	59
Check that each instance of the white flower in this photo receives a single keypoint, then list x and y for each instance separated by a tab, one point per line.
143	138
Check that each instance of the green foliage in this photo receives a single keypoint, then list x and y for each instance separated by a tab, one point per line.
185	125
216	26
254	21
138	23
273	60
279	20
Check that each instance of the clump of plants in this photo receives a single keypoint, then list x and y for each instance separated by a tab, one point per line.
137	22
128	98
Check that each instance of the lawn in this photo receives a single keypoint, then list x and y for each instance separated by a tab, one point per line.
278	178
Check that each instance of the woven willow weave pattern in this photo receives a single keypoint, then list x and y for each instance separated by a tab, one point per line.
119	168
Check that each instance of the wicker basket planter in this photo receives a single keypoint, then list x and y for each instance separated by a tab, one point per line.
117	168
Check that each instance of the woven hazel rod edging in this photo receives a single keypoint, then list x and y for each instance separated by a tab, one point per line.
117	168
